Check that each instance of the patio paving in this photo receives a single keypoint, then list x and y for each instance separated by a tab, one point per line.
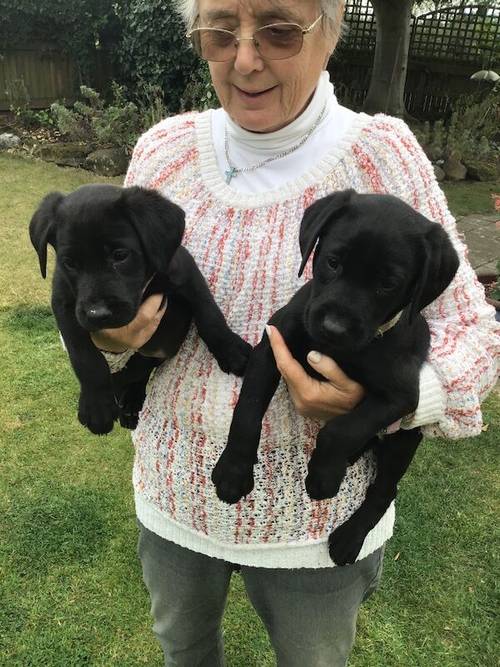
482	236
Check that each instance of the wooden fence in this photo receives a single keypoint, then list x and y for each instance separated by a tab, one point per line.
446	47
38	74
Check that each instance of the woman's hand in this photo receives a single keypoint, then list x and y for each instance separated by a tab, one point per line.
334	396
136	333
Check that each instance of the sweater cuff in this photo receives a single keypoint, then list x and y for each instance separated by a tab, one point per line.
432	400
117	360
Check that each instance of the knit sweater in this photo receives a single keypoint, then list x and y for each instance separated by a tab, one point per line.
247	248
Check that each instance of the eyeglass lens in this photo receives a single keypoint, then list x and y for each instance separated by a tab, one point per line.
274	42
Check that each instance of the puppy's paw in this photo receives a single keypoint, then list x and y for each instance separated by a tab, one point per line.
345	543
128	419
232	356
232	478
97	412
323	479
129	406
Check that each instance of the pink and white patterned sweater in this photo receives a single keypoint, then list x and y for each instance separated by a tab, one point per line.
247	248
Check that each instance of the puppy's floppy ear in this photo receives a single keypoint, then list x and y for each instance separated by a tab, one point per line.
158	222
43	227
315	217
439	265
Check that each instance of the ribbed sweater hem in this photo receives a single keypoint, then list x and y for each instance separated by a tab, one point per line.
290	555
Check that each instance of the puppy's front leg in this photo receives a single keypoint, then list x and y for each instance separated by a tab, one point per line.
233	473
229	349
97	409
342	439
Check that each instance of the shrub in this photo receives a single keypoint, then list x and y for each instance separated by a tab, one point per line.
154	50
472	133
116	125
151	104
199	93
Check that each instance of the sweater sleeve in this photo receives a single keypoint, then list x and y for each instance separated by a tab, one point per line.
465	337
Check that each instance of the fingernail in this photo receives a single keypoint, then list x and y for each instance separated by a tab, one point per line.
314	357
163	302
268	330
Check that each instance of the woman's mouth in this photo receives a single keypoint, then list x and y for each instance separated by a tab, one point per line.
253	94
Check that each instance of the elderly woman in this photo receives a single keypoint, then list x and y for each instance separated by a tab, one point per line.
244	174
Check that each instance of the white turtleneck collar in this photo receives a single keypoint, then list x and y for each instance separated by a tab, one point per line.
248	148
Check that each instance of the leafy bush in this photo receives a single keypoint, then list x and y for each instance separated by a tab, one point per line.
154	49
19	106
116	125
472	132
151	104
199	93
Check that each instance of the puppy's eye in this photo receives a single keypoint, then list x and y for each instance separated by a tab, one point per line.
333	263
70	263
120	255
386	284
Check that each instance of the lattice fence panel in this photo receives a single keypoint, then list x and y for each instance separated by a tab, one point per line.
470	34
361	31
457	34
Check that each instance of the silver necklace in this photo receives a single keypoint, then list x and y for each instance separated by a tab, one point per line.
234	171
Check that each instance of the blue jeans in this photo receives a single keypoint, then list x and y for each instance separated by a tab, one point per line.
310	614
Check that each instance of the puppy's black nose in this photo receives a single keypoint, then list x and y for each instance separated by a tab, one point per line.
98	312
334	327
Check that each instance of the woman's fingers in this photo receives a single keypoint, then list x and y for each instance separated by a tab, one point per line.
288	366
137	332
152	309
330	370
336	395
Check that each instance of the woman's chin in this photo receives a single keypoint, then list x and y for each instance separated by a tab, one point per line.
257	120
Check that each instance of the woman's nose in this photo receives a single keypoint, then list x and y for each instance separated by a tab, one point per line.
247	58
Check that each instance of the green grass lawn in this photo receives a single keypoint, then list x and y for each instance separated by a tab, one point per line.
469	197
71	592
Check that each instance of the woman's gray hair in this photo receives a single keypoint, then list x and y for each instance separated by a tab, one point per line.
333	11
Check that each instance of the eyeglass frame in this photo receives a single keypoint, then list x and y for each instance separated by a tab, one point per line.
304	31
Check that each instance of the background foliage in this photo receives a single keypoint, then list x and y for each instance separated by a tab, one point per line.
117	124
154	49
144	38
75	26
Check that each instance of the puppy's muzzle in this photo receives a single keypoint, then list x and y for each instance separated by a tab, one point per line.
334	327
99	315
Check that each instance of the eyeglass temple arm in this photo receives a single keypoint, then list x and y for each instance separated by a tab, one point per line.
305	31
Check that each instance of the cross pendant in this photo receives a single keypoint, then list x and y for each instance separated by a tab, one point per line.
230	174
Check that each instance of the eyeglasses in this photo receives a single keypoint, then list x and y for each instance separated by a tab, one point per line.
273	42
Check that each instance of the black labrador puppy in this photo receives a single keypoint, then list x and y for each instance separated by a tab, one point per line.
377	264
116	246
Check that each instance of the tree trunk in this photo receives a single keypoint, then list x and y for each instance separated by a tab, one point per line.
390	63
